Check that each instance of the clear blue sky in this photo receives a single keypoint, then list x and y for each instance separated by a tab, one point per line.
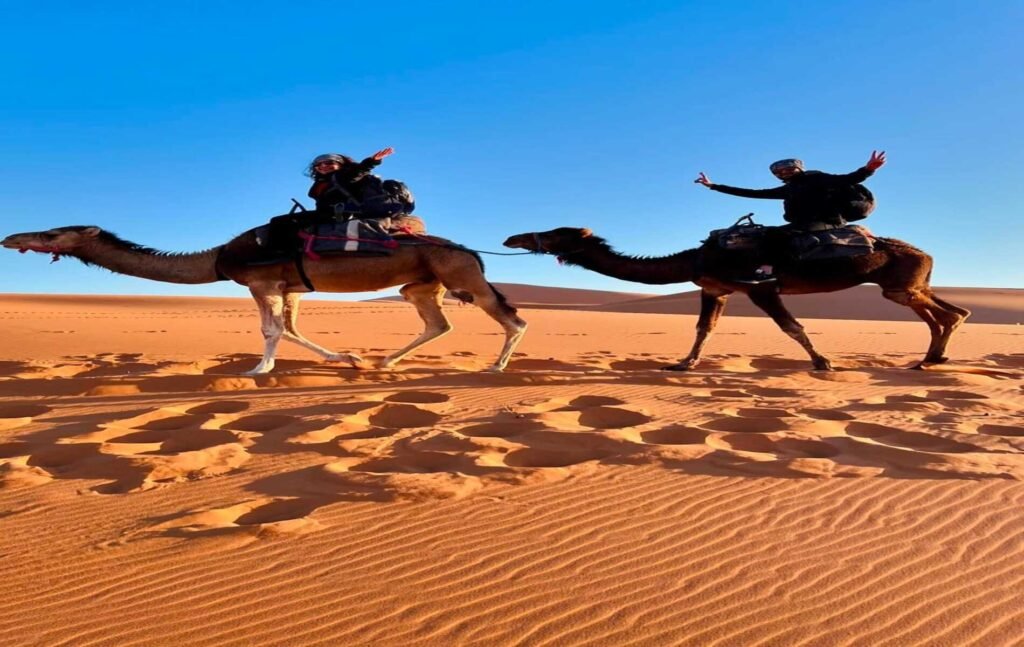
181	124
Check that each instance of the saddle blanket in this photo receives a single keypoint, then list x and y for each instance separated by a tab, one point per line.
841	242
351	236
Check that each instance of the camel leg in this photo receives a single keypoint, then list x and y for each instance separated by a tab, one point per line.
292	334
711	308
270	301
941	317
426	297
490	301
769	301
957	316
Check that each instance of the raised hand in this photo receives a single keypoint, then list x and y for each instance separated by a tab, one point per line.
703	179
384	152
877	160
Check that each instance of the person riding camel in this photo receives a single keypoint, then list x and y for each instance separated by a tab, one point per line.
346	189
812	200
812	197
342	186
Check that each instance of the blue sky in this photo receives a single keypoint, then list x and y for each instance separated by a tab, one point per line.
179	125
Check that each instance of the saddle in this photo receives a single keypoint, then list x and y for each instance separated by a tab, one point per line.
824	242
358	236
837	242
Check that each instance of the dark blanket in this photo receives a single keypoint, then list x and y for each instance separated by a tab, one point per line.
352	236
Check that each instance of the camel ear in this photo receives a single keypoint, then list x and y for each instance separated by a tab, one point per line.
586	233
91	232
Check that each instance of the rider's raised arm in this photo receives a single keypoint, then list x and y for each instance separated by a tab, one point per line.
778	193
856	177
876	162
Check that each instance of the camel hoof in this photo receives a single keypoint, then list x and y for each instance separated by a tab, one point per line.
822	364
384	363
681	366
494	369
354	360
259	371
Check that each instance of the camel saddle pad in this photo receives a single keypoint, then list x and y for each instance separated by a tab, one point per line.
841	242
351	236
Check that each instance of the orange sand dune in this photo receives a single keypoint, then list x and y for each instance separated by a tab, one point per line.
987	305
149	494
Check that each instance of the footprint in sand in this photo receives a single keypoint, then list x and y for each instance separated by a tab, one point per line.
1002	430
675	435
401	416
745	425
418	397
826	414
780	447
13	416
601	417
261	423
258	518
140	452
763	413
501	429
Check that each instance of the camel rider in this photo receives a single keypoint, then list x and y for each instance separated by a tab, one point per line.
812	199
344	187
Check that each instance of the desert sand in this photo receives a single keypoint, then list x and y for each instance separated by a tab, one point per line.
151	495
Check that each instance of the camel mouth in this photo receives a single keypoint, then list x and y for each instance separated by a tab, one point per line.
520	241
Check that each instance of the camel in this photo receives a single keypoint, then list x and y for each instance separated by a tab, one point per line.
425	270
901	270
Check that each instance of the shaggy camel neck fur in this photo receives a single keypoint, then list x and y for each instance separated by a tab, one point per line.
424	271
901	270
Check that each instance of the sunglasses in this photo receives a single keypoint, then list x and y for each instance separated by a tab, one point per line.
328	163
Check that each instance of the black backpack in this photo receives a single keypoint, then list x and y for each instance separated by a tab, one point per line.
854	201
400	192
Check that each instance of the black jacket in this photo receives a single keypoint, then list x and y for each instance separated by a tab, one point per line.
808	197
353	184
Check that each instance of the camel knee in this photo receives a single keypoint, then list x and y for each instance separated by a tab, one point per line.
902	297
272	331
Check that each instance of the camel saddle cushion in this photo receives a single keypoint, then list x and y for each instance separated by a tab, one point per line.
838	242
362	237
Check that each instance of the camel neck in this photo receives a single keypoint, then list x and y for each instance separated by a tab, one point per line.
127	258
600	258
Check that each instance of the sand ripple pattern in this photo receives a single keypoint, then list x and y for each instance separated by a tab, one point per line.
586	500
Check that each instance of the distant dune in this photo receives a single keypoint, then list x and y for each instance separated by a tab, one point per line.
541	296
988	305
865	302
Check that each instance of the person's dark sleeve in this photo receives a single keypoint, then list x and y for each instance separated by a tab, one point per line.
778	193
360	171
856	177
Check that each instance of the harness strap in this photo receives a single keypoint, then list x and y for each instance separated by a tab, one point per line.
301	269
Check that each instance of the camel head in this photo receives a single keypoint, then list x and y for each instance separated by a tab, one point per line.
564	240
60	240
